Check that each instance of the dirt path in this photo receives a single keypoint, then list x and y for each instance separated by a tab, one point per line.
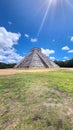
14	71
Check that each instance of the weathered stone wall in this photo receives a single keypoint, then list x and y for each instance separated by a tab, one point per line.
36	61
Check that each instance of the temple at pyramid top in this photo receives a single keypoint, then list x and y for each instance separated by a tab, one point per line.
36	49
36	59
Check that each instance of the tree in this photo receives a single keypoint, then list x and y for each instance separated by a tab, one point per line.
67	63
4	65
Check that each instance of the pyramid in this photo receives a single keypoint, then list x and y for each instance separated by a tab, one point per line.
36	59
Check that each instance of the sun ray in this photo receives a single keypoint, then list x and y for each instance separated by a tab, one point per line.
43	21
53	5
69	3
62	10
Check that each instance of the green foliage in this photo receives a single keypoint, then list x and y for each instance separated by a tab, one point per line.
68	63
4	65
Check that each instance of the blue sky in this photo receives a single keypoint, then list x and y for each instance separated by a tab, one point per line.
25	24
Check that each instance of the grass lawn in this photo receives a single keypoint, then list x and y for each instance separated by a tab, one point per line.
37	101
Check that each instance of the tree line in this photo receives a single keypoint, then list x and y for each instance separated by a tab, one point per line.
5	66
67	63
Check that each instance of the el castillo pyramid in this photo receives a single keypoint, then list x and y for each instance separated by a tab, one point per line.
36	59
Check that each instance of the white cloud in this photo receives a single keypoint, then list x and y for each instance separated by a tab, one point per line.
65	48
26	35
9	22
10	58
65	57
31	39
53	40
7	52
52	58
8	39
71	39
70	51
9	55
34	40
47	52
63	60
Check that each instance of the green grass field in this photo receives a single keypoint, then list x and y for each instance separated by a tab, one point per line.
37	101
